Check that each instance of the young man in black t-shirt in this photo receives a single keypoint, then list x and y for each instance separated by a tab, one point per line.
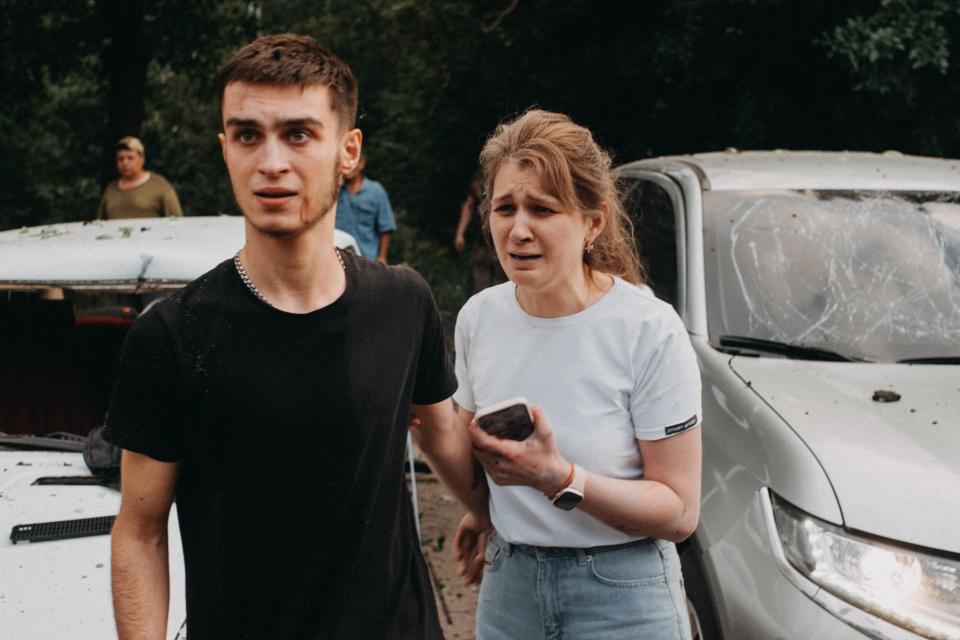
271	396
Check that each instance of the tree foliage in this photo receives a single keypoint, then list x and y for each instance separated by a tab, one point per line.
904	54
901	37
657	77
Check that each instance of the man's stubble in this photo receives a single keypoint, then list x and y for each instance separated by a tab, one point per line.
308	220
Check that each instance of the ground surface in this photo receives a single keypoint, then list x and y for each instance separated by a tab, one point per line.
440	515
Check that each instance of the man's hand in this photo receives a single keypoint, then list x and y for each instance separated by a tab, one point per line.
470	546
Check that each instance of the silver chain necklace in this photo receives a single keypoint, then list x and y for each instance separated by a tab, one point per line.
253	288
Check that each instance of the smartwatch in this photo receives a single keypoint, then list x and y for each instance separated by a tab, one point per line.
570	496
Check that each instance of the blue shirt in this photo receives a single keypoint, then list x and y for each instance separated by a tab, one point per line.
365	215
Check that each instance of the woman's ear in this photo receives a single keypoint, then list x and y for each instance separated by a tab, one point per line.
595	224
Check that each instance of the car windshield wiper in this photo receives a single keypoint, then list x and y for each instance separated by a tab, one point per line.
733	344
59	441
932	360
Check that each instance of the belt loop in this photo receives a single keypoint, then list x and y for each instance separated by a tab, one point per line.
508	548
583	556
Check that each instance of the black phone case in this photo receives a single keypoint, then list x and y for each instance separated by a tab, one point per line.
509	423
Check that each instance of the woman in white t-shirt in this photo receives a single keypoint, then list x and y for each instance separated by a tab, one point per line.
588	508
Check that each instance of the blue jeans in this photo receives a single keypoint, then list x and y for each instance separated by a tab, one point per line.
619	592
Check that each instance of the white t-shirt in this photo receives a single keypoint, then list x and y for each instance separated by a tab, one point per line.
620	370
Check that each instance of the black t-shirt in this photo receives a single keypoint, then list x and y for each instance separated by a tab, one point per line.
290	431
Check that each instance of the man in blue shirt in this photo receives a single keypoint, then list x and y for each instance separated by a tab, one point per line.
364	211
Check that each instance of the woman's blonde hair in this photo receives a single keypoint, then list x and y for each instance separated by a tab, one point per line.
573	168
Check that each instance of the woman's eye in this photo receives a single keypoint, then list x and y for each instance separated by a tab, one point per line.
503	208
543	210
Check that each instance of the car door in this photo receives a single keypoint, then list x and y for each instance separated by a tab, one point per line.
655	205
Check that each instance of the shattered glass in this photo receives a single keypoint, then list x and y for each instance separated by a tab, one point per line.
873	275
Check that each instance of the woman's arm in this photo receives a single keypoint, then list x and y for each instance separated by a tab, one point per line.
664	504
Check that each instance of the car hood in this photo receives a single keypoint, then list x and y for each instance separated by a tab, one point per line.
893	465
61	588
130	253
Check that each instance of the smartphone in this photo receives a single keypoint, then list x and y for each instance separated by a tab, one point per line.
510	419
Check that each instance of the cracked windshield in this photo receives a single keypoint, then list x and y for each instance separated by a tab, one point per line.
870	275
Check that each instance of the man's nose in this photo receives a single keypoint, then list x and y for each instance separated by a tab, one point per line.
274	159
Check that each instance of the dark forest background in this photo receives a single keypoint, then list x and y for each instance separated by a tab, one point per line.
648	77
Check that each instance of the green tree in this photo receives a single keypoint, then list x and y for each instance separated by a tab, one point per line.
650	78
904	55
78	76
888	48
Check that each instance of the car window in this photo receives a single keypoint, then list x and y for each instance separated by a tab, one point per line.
868	274
654	223
60	359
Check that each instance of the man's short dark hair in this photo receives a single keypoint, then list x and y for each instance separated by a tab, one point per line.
286	60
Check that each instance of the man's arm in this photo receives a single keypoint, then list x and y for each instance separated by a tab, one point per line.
385	224
171	203
102	207
141	581
384	246
444	439
466	212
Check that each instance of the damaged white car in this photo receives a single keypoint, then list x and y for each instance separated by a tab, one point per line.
68	293
821	292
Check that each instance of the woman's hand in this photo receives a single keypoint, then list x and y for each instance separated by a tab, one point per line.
470	546
534	462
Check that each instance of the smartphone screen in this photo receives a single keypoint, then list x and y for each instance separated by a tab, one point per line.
510	423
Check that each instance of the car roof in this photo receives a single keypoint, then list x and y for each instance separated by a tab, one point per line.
136	254
735	170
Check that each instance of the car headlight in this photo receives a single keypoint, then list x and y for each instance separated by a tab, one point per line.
913	589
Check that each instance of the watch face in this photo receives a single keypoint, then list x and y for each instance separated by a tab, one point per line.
567	500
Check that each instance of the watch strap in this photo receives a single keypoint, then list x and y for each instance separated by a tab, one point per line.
566	483
572	494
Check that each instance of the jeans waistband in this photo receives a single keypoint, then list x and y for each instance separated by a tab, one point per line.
542	552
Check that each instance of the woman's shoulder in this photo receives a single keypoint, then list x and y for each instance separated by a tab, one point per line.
643	316
486	309
640	299
500	295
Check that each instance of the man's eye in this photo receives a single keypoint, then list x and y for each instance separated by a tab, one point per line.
299	136
247	137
